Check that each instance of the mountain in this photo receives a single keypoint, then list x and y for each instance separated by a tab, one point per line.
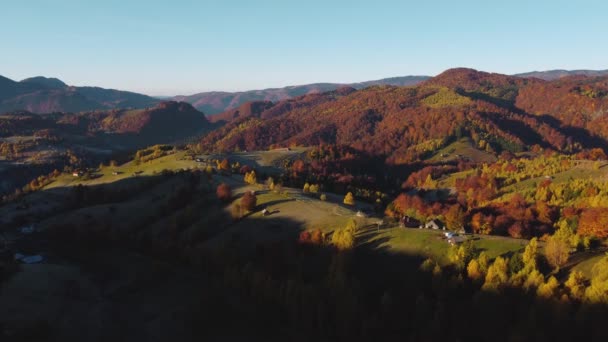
551	75
217	102
403	124
47	95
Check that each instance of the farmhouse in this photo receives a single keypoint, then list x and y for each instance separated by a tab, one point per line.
434	224
409	222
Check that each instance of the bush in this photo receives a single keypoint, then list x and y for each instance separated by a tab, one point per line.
249	201
251	178
224	193
236	211
245	169
323	197
224	165
304	237
317	237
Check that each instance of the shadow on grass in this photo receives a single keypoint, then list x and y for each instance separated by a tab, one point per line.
245	281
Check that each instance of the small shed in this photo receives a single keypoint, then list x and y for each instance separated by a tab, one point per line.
456	239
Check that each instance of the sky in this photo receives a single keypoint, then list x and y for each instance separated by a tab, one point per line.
184	47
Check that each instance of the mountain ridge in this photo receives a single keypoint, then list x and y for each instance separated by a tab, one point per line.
46	95
550	75
216	102
41	94
497	112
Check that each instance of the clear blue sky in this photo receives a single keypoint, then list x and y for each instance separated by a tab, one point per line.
183	47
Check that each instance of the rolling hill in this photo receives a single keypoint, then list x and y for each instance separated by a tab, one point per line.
34	144
498	112
47	95
166	122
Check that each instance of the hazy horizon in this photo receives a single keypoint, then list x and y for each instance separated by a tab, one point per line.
183	48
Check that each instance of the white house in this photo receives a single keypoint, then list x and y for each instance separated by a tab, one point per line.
434	224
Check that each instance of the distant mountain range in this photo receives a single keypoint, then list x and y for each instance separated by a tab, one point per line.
551	75
46	95
215	102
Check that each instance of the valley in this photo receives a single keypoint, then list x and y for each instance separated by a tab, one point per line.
325	214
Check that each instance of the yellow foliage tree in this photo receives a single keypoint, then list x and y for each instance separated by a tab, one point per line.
251	178
474	271
497	274
344	238
597	292
557	252
576	284
349	199
548	289
270	183
532	280
530	255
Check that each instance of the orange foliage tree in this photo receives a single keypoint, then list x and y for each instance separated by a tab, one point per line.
594	222
223	192
249	201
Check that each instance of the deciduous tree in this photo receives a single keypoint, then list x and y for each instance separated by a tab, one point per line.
224	192
454	218
249	201
594	222
557	252
349	199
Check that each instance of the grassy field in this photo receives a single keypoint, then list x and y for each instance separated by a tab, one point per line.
170	162
311	212
462	148
586	265
431	243
291	207
584	170
270	162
